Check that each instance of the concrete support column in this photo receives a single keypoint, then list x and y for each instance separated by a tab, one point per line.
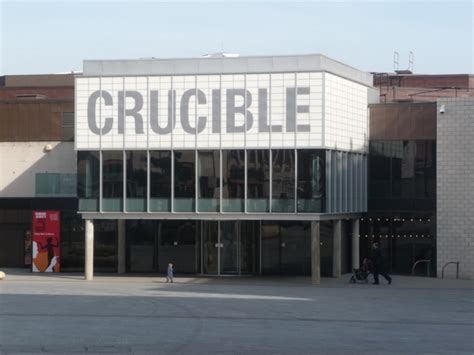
336	248
89	250
315	253
121	248
355	244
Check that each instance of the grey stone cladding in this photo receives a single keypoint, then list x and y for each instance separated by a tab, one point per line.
455	186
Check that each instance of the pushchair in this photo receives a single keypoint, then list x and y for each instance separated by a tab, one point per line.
361	275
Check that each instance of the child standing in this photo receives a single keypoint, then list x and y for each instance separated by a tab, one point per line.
169	273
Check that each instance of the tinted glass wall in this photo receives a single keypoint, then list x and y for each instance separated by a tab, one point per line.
136	164
72	243
233	180
209	181
283	180
253	181
286	248
160	181
258	180
184	180
112	181
402	175
88	170
311	172
405	238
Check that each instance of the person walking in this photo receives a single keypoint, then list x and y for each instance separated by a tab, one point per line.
378	264
169	273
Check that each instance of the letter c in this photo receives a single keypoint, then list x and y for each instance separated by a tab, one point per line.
91	108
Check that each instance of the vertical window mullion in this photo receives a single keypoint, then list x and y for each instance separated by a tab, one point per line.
124	177
270	164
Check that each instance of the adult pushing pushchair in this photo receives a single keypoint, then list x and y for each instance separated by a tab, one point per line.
361	275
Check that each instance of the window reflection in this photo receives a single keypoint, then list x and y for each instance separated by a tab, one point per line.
402	172
72	241
105	245
184	180
208	183
141	242
233	180
283	180
112	176
311	167
177	245
258	180
88	180
286	248
160	181
136	180
406	238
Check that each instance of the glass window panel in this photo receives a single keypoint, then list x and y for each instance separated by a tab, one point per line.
233	180
283	184
136	180
112	185
184	180
210	238
160	181
379	170
141	241
72	241
208	181
425	169
406	174
286	248
177	245
258	180
311	177
88	180
249	247
105	245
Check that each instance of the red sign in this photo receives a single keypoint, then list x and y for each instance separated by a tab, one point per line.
45	241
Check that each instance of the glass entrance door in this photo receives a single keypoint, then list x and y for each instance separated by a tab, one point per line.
210	247
230	247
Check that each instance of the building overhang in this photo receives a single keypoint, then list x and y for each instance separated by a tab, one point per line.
222	216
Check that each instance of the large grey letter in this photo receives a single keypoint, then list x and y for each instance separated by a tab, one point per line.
263	125
137	97
292	109
108	121
232	110
201	99
154	124
216	111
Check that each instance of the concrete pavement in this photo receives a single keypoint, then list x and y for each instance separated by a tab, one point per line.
142	314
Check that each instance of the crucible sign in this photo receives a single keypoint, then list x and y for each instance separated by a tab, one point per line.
200	111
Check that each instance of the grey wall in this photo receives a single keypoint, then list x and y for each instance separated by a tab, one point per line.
455	185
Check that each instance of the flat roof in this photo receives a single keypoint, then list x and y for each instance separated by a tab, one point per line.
225	65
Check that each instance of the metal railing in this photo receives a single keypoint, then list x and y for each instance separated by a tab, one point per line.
457	268
428	267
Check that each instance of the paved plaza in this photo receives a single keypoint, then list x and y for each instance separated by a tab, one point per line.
114	314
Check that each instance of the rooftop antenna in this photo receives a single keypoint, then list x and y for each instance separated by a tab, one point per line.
395	61
411	60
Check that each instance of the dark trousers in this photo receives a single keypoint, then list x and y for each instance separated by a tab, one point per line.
381	272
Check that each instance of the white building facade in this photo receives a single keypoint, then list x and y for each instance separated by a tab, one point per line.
227	145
